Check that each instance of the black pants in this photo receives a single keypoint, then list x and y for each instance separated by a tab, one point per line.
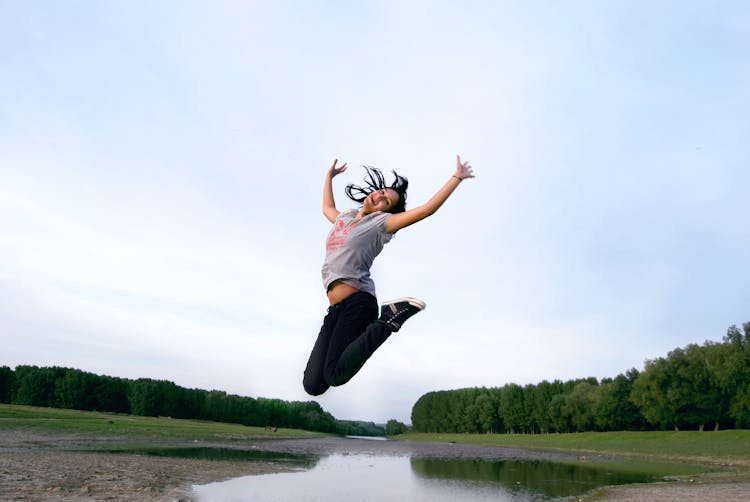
351	332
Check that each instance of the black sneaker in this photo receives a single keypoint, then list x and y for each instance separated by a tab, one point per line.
395	312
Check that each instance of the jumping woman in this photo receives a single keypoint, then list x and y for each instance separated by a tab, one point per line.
352	330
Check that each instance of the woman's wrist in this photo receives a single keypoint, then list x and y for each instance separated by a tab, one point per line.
460	179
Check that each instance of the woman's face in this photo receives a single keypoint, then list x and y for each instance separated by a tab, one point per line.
380	200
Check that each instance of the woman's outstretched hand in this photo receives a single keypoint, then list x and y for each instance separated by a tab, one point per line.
463	169
329	203
335	171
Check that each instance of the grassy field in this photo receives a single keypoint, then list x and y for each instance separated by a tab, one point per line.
730	447
104	425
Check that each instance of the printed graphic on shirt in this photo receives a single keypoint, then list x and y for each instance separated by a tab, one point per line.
337	236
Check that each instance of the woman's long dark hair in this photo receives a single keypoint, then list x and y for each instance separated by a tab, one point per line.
375	181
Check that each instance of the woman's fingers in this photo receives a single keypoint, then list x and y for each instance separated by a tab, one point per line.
337	170
466	170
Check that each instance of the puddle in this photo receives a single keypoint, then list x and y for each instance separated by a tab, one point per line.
364	477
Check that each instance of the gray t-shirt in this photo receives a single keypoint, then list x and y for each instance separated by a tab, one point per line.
351	246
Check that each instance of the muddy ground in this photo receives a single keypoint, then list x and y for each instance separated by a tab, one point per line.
36	466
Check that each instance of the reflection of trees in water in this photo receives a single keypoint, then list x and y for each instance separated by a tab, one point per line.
541	477
235	455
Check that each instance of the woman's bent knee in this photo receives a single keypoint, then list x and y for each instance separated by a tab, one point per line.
314	388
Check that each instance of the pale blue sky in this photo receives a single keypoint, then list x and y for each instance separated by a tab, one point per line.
161	166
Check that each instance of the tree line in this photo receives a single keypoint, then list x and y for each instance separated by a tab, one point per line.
58	387
693	387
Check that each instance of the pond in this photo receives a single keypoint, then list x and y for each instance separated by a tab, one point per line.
366	477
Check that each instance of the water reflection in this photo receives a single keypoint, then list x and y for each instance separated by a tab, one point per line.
364	477
534	478
236	455
344	478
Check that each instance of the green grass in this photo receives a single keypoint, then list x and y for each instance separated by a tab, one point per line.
714	447
115	426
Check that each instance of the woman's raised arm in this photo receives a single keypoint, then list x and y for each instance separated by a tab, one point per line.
400	220
329	204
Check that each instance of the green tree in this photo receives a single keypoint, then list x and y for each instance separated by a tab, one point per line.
111	394
394	428
580	404
468	420
146	397
7	380
442	418
539	402
487	417
275	411
511	408
614	410
76	390
559	416
668	391
35	386
530	423
740	407
420	413
704	403
650	393
735	379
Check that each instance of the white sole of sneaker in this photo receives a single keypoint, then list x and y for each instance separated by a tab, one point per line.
415	302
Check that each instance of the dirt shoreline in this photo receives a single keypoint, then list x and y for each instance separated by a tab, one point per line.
36	466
